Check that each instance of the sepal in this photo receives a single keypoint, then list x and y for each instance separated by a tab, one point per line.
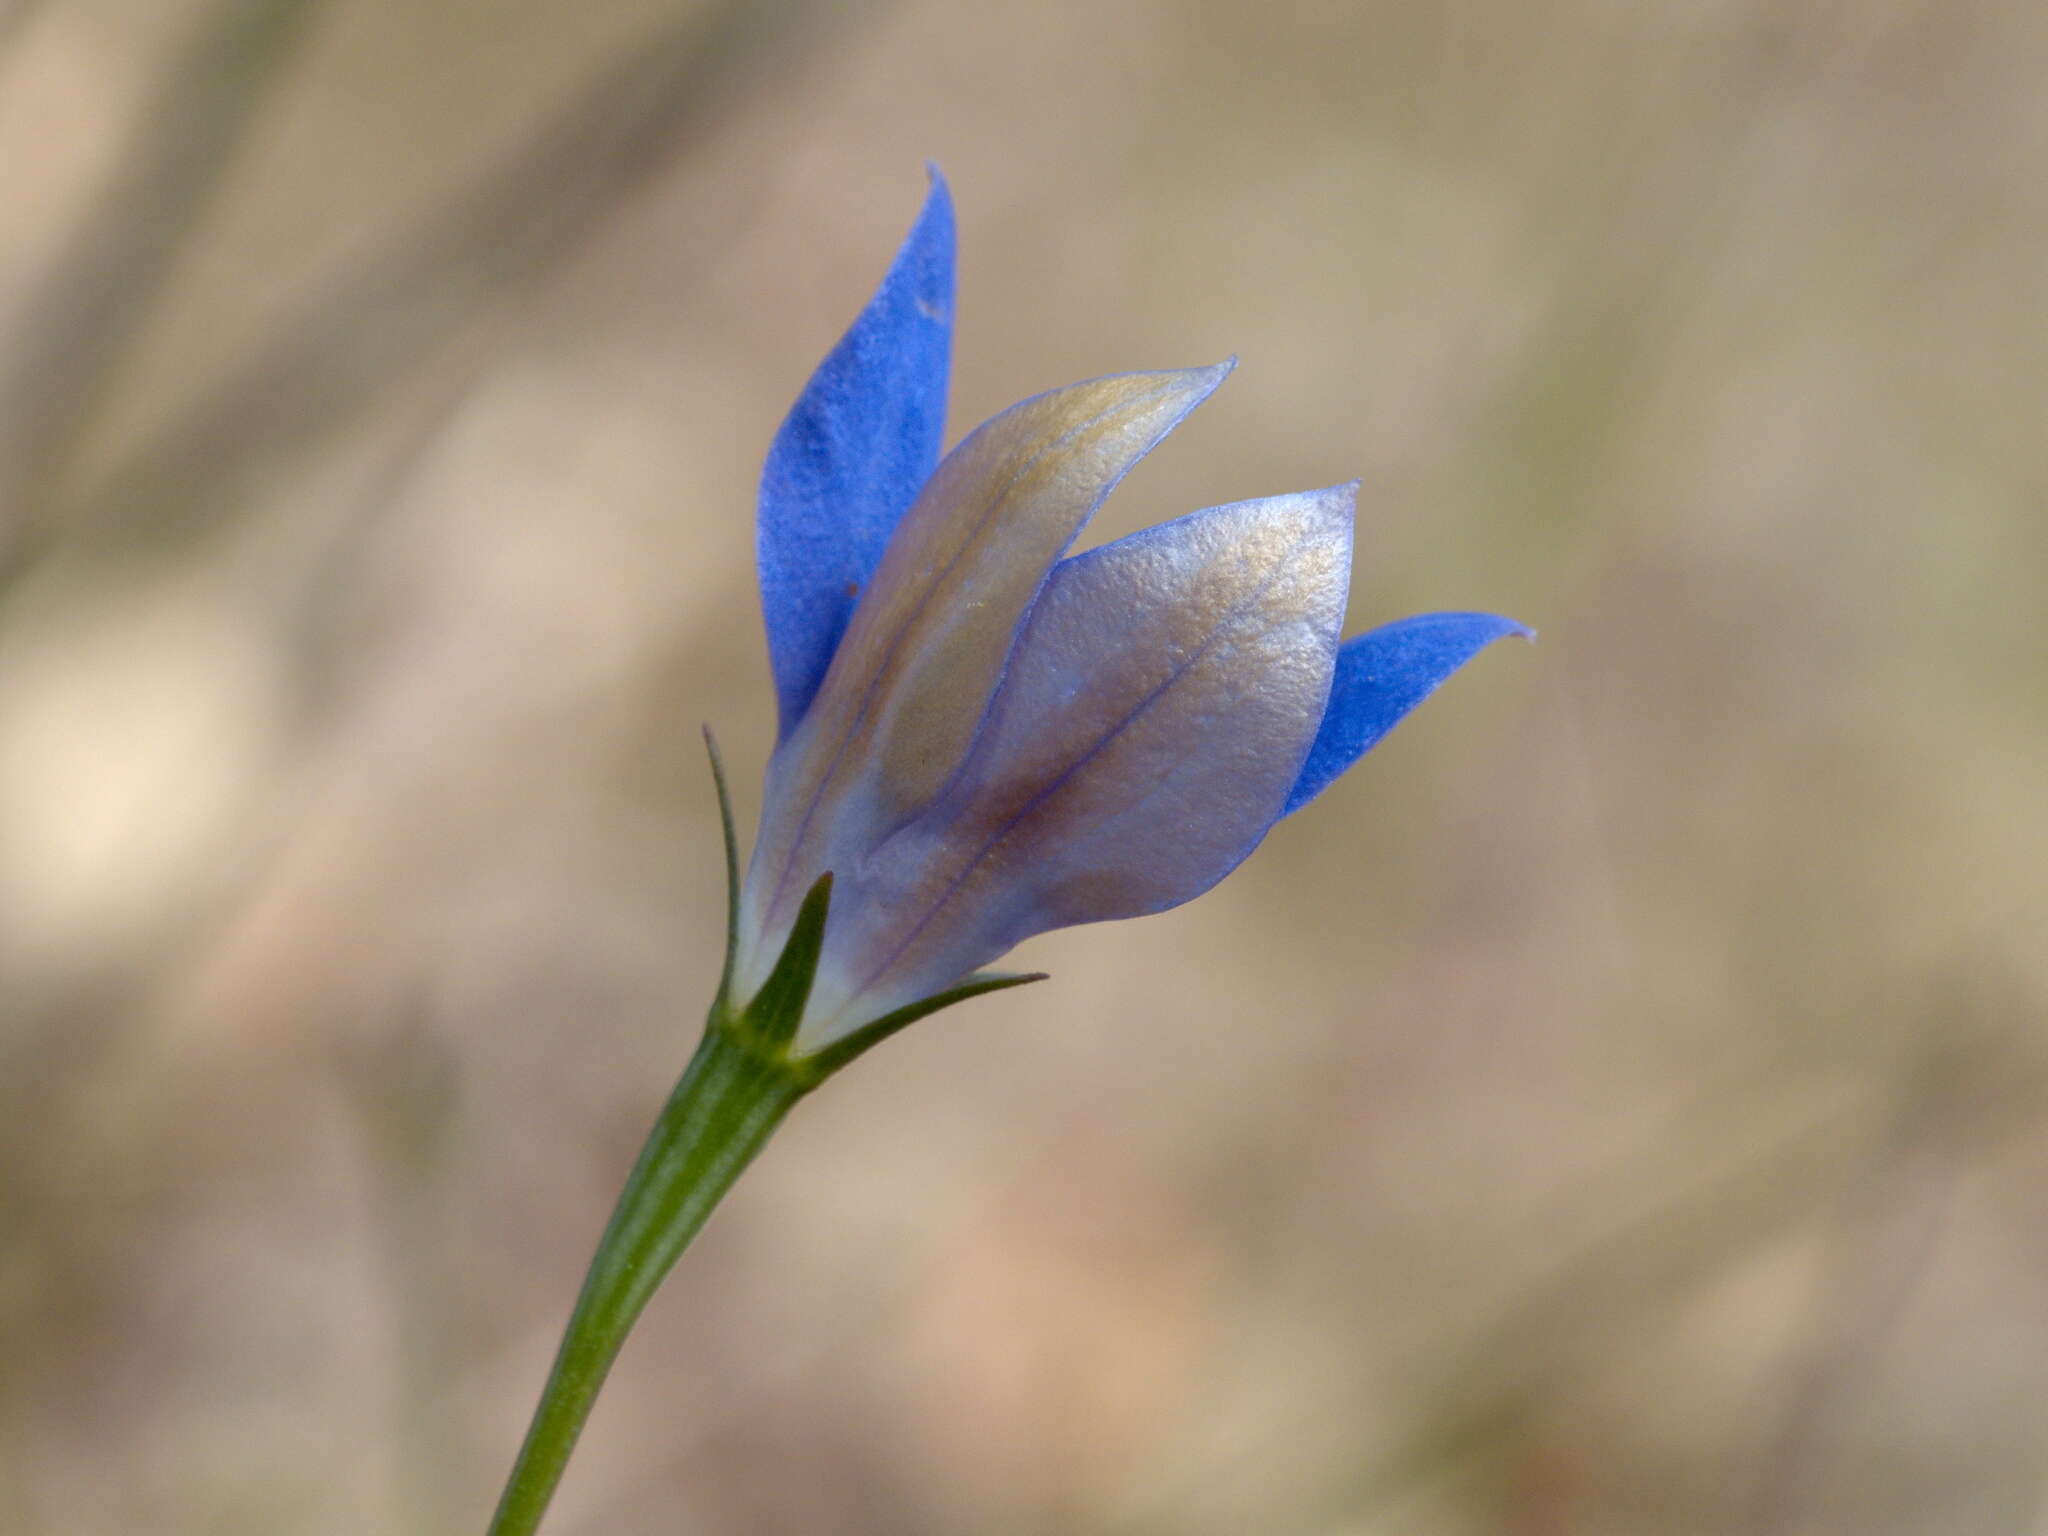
822	1064
766	1027
770	1021
732	871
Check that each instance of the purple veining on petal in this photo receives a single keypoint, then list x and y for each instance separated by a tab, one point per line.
1247	600
928	643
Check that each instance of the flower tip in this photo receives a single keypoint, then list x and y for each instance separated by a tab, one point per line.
1201	383
1479	629
1335	505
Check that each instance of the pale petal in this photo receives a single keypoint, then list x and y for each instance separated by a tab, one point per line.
927	644
1154	717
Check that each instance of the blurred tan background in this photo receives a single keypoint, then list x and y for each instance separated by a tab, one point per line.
1618	1107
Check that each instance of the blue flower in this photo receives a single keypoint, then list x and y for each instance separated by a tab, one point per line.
982	738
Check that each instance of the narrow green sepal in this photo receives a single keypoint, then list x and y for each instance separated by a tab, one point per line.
821	1065
732	872
771	1019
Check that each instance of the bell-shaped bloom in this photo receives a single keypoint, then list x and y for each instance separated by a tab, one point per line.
983	738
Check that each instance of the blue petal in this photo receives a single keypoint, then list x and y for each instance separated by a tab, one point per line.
861	439
1154	715
1383	674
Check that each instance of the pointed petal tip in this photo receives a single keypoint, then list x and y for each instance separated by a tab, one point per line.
1341	498
927	255
1202	381
1483	628
1381	676
1337	502
1328	510
938	198
1198	384
1181	389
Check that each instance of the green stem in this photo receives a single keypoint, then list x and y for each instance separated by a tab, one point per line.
728	1103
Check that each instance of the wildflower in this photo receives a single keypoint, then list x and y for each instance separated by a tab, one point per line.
981	740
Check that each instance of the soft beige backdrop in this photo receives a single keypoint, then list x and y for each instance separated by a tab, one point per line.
1616	1108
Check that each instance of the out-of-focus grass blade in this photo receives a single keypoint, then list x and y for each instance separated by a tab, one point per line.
106	281
327	361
